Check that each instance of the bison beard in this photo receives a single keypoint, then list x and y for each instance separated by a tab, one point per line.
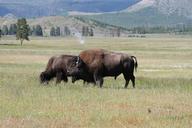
46	76
100	63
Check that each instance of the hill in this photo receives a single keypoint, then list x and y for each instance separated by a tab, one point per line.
39	8
112	13
75	24
149	16
149	13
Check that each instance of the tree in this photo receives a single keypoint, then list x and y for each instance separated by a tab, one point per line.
5	30
57	31
52	31
38	31
118	32
83	31
112	32
33	31
67	32
12	29
86	31
30	31
91	33
0	33
22	30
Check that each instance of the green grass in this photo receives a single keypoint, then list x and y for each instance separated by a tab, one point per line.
162	97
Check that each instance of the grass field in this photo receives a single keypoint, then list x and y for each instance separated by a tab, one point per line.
162	97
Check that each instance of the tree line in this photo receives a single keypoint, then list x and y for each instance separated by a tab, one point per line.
22	30
176	29
38	30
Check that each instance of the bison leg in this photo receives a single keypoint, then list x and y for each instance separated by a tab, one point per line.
126	83
133	80
98	80
64	78
85	82
101	82
127	79
58	77
73	79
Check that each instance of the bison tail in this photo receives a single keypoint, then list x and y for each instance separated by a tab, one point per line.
135	62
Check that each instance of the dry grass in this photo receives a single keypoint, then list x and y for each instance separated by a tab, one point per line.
162	97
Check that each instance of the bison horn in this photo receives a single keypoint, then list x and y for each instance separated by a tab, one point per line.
77	62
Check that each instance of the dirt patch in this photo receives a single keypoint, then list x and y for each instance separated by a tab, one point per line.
125	122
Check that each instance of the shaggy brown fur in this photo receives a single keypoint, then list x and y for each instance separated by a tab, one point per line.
101	63
56	67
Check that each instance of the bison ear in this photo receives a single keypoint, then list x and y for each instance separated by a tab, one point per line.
77	62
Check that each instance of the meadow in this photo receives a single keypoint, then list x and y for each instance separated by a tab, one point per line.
162	97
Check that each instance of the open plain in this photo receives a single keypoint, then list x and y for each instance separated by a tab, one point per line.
162	97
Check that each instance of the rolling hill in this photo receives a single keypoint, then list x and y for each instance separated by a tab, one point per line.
75	24
123	13
149	13
146	17
39	8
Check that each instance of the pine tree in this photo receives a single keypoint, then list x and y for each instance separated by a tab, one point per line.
86	31
52	32
5	30
91	32
38	31
22	30
0	33
118	32
67	31
12	29
33	31
57	31
30	31
83	31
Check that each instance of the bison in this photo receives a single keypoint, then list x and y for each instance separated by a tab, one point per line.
100	63
57	67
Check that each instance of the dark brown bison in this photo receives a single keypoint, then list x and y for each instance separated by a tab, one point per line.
101	63
57	67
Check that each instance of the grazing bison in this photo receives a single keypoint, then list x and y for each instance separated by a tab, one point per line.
101	63
57	67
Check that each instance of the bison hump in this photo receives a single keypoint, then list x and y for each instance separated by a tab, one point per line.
93	58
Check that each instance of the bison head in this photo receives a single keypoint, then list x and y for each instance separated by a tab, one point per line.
75	66
42	77
45	77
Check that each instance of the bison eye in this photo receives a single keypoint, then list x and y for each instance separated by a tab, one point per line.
73	65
